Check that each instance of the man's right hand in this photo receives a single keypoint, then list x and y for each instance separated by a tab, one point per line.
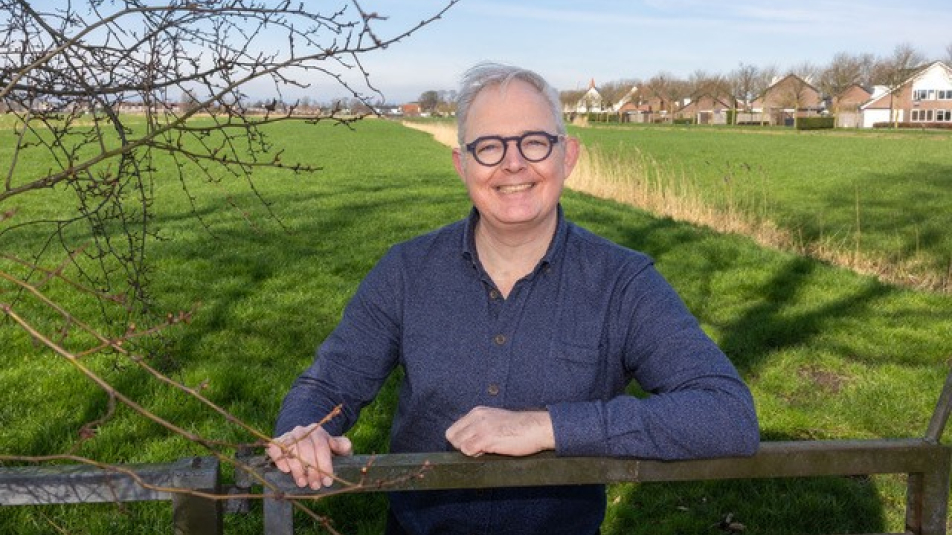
306	453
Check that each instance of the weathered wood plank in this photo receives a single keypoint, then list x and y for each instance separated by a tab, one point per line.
926	462
39	485
450	470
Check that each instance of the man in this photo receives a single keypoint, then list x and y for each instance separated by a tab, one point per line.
518	332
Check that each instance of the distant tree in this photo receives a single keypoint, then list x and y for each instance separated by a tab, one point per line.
806	70
843	71
893	70
429	100
799	92
614	91
189	102
358	106
668	89
765	78
570	98
743	83
948	55
716	85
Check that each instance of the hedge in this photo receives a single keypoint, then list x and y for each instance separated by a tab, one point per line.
815	123
890	124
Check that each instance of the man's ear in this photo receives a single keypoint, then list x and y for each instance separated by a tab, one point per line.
572	150
458	163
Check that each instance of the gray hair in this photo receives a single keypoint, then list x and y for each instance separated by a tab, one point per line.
485	75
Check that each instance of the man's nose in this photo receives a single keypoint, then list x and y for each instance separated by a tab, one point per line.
513	159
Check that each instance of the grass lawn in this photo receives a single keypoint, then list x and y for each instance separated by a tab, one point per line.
827	353
882	194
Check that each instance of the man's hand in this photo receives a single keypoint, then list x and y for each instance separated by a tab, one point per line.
488	430
306	453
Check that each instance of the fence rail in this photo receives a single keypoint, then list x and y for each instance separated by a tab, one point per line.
188	483
927	465
72	484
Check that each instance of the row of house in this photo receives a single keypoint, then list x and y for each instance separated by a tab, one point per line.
925	98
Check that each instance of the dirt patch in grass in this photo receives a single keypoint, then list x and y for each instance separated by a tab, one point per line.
826	380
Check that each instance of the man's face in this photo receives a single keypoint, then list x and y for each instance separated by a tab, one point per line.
514	194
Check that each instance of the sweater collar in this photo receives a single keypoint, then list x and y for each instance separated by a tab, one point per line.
551	254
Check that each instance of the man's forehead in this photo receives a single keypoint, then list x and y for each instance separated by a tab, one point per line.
506	88
520	106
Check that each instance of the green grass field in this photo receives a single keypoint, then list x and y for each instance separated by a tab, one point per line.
827	353
882	194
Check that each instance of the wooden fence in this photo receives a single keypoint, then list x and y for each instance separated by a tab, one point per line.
925	461
182	482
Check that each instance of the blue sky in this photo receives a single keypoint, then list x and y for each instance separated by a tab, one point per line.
573	42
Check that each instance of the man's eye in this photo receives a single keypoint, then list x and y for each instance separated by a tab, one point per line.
488	148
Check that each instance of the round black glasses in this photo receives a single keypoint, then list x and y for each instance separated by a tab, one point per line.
533	146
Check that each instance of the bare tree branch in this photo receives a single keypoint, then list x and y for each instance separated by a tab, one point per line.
94	91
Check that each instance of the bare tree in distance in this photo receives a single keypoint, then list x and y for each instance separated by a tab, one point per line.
948	54
614	91
893	70
743	86
713	84
429	100
666	92
766	77
806	70
845	70
92	93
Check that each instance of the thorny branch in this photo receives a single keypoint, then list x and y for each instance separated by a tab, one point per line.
216	448
68	74
90	93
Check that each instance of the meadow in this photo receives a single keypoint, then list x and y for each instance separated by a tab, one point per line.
828	353
875	201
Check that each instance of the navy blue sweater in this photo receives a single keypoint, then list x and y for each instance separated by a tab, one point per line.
570	337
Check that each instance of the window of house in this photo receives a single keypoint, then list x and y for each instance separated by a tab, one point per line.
926	116
943	116
930	94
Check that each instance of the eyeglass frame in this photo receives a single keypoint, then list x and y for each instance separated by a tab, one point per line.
553	140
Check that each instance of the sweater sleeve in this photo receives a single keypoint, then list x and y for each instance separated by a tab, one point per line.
353	363
696	406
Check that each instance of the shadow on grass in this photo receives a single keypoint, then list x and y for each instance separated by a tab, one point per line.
774	506
899	216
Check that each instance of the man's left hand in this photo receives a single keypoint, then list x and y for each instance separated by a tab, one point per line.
489	430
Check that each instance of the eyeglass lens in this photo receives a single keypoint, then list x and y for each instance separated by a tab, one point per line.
534	147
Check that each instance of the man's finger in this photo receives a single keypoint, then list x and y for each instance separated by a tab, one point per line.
342	446
278	456
313	450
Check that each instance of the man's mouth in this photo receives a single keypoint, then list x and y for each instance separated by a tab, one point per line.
514	188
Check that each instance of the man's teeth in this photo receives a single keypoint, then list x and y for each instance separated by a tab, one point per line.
514	188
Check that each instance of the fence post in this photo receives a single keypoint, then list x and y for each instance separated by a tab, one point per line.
278	512
940	416
927	494
191	514
927	497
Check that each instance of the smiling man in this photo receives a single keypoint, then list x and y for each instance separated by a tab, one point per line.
518	332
